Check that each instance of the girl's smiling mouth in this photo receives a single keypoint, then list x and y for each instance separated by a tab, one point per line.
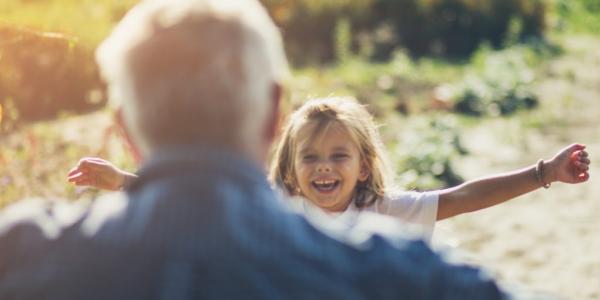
325	185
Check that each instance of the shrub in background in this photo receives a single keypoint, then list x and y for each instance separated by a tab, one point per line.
500	84
309	26
456	28
448	28
44	74
425	152
581	15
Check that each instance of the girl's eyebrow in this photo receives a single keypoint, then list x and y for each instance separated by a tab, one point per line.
341	148
305	150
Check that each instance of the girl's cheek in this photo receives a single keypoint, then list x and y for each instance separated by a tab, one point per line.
344	164
302	169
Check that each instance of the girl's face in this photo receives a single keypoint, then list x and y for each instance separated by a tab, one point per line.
328	166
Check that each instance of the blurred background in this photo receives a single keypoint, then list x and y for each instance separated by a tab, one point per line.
461	88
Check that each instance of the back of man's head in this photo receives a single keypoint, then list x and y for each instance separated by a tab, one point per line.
194	71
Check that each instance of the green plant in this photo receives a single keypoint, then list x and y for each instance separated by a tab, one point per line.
44	74
445	28
456	28
310	28
425	151
577	15
500	83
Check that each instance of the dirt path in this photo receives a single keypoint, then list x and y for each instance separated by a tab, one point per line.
547	240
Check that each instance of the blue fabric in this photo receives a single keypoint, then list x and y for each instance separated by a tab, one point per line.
204	224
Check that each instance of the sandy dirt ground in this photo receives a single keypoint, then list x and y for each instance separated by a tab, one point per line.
547	240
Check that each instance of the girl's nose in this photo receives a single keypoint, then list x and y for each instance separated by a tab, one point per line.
323	167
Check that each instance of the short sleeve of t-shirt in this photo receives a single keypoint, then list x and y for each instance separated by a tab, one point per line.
411	207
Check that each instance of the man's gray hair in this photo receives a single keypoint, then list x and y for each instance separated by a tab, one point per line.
193	71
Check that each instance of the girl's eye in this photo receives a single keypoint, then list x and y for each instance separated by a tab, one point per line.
340	156
309	158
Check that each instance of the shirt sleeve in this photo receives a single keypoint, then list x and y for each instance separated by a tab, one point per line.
413	208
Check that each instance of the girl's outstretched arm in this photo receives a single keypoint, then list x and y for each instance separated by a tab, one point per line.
99	173
569	165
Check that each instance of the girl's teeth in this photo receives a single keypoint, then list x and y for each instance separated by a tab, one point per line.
324	182
325	185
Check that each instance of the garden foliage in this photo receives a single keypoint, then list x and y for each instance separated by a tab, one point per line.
43	74
449	28
500	84
424	154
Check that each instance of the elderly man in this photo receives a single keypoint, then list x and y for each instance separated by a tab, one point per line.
197	86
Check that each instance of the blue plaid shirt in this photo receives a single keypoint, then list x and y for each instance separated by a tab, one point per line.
205	224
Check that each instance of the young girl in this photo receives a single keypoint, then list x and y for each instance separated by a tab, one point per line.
330	154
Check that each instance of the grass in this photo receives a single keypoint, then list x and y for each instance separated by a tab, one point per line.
88	20
37	157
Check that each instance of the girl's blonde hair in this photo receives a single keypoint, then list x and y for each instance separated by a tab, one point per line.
359	124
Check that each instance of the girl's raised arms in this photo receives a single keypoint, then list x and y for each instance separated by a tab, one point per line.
99	173
569	165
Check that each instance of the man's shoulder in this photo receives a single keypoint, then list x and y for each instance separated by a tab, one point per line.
49	218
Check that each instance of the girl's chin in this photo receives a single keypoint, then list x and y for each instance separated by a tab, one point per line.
332	205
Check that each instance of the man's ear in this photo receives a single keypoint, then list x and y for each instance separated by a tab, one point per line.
124	131
274	120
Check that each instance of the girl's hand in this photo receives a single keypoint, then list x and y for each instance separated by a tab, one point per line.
99	173
570	165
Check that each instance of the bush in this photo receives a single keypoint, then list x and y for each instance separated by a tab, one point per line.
580	15
44	74
309	26
448	28
501	84
455	28
425	153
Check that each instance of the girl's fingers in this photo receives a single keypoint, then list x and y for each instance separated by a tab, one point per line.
96	167
575	147
583	176
92	158
85	182
582	163
73	172
74	176
77	177
96	160
82	183
580	167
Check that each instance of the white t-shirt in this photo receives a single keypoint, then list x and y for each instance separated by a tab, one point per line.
413	208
